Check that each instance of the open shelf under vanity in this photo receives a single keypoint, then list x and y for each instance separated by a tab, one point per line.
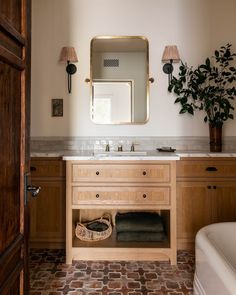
111	249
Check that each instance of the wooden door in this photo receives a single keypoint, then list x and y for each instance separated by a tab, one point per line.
194	210
14	143
224	201
47	215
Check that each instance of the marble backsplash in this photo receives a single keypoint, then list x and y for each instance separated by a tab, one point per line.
146	143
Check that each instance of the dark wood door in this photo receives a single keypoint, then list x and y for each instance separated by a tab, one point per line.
14	143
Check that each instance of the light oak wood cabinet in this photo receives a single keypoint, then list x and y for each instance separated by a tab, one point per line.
206	193
47	210
95	188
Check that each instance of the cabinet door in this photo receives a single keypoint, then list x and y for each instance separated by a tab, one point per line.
47	215
224	202
194	211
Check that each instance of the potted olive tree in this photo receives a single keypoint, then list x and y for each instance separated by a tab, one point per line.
209	88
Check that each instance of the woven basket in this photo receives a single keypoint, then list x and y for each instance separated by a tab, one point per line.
88	235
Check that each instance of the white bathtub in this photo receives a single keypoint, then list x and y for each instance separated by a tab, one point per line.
215	272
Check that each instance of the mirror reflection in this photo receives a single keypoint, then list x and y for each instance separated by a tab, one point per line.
119	80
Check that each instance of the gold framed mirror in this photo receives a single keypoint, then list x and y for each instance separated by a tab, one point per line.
119	80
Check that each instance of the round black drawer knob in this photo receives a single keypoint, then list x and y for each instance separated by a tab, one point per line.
97	195
144	196
144	172
97	172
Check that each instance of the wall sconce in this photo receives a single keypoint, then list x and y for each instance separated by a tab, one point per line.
68	55
170	55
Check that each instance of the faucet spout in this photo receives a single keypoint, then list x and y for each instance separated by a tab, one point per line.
120	148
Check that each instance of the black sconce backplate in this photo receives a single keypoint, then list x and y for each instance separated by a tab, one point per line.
168	68
71	69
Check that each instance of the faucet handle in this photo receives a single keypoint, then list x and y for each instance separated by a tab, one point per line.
132	146
107	148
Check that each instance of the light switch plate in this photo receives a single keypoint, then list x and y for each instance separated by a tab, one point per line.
57	107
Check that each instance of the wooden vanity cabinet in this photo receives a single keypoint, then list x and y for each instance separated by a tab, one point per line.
47	210
95	187
206	193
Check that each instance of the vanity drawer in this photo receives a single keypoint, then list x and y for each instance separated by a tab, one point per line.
47	168
121	173
206	168
121	196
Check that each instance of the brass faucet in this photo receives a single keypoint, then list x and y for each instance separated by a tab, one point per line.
120	148
132	147
107	148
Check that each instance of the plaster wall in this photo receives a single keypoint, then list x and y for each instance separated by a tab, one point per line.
197	27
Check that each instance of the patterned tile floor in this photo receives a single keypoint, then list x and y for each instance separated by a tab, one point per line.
49	275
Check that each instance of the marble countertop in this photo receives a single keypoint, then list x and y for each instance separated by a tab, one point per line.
148	155
90	155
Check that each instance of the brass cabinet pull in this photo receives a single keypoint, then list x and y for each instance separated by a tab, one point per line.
32	168
211	169
97	172
97	195
209	186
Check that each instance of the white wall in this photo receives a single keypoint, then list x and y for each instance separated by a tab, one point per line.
197	27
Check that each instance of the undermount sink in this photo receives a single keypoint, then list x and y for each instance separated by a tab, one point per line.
119	154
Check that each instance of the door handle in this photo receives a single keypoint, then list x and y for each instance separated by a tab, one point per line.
29	188
33	189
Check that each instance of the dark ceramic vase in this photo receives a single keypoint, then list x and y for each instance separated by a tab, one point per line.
215	133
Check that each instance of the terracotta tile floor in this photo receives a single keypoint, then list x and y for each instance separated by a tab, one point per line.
50	275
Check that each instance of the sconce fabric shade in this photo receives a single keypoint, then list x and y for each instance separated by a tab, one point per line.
170	56
171	53
68	54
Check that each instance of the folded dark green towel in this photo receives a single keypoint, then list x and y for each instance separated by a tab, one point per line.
141	236
139	221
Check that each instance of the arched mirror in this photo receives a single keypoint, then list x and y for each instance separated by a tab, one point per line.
119	80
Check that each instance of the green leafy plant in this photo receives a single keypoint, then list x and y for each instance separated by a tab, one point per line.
209	87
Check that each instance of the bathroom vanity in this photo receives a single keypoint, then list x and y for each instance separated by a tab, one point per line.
201	186
102	186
